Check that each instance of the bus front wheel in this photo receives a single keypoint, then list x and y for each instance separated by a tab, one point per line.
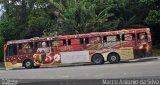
97	59
28	64
113	58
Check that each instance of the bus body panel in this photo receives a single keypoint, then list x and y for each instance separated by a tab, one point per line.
75	57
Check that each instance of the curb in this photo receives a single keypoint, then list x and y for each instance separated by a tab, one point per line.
145	59
2	68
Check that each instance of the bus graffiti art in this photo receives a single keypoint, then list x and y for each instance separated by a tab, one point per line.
96	47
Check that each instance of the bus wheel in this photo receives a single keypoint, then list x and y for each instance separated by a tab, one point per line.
28	64
97	59
113	58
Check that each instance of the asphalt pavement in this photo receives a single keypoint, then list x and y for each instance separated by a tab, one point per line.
149	68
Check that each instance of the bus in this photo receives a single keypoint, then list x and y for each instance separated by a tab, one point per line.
96	47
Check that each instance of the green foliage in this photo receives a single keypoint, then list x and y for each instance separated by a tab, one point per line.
153	17
38	20
35	18
82	16
1	48
8	28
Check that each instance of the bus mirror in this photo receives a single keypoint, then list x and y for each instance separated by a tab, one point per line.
5	46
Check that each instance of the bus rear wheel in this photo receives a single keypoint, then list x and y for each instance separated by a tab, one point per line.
113	58
97	59
28	64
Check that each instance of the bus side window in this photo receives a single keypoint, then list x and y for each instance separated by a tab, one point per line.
94	40
69	41
42	44
48	43
25	48
12	50
45	44
30	45
64	42
20	49
112	38
20	46
86	40
142	36
81	41
118	38
104	38
128	37
38	44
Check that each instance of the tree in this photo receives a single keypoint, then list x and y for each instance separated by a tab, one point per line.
35	18
81	16
1	46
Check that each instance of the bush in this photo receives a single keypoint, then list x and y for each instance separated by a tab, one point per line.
1	48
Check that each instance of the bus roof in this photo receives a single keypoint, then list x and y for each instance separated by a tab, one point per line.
37	39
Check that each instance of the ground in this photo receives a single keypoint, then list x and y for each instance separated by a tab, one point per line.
135	69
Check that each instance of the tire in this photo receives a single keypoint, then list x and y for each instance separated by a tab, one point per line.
97	59
113	58
28	64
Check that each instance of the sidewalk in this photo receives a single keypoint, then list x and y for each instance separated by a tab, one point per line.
1	66
145	59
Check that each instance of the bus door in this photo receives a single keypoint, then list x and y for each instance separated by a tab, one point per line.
142	44
128	46
11	54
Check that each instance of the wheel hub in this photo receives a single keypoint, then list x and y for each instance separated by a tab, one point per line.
113	58
28	64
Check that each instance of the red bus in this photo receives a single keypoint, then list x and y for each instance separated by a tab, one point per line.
96	47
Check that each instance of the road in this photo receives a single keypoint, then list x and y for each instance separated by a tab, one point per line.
144	69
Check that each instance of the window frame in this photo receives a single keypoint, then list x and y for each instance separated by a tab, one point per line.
133	36
118	36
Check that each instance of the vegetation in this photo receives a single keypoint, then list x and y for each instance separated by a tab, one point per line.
23	19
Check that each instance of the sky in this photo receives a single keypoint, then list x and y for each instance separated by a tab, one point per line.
0	9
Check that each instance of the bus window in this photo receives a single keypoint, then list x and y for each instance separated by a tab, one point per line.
11	50
94	40
81	41
55	43
42	44
25	48
113	38
42	47
20	46
69	41
86	40
142	36
30	45
104	38
64	42
118	38
128	37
